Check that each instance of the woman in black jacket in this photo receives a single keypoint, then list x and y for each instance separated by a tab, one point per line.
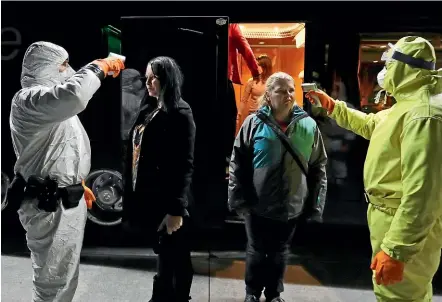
158	177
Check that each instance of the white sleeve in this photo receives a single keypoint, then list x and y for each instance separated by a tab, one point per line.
60	102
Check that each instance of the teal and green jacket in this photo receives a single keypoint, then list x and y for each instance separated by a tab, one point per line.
265	180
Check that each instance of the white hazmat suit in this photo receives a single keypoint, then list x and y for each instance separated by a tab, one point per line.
49	139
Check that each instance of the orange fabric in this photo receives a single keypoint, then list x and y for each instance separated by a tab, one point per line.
110	64
89	196
388	270
326	101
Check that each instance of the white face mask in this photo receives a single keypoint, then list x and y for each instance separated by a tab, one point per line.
66	74
381	77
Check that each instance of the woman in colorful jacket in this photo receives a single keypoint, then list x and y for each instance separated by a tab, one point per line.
268	186
403	171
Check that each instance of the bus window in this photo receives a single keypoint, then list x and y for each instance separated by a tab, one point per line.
373	97
278	44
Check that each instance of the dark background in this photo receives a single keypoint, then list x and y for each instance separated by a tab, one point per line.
77	27
199	45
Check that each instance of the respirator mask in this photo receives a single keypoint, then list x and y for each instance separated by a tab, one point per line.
66	74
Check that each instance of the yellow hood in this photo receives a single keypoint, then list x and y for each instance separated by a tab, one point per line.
406	82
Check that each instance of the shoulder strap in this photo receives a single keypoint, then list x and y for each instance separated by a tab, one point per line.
284	139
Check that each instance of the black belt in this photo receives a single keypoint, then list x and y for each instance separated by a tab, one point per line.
46	191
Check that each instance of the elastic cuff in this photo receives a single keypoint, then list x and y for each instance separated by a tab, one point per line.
96	70
331	108
394	254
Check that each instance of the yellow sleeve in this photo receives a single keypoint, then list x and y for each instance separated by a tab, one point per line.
354	120
421	202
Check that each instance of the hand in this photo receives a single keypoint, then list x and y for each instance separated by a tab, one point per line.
110	64
315	219
172	223
89	196
326	101
388	270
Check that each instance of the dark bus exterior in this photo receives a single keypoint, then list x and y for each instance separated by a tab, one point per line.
334	50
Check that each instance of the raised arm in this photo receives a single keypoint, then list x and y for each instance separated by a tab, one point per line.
244	49
354	120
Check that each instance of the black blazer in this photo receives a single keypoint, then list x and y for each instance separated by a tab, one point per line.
165	166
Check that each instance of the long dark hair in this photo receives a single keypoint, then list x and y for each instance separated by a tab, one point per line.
167	71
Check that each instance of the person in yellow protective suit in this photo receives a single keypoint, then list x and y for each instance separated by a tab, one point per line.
403	171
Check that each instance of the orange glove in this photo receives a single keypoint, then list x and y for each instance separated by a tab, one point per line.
326	102
110	64
89	196
388	270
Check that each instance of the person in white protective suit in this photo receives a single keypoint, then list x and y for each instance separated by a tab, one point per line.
50	142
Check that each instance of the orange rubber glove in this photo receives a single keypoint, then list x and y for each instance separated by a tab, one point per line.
89	196
326	102
110	64
388	270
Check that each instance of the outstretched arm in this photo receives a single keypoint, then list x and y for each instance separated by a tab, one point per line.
60	102
356	121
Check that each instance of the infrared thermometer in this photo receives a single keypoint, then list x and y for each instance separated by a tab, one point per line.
306	87
114	55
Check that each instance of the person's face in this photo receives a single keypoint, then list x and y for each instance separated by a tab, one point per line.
282	96
63	66
152	83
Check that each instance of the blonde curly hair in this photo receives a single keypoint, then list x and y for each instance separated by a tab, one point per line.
270	83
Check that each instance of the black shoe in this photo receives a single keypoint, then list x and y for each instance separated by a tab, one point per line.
251	298
277	299
160	292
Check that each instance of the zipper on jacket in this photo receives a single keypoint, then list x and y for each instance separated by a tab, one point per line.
284	152
297	119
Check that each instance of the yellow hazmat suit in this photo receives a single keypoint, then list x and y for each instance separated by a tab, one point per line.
403	171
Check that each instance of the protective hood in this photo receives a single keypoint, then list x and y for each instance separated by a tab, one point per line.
410	70
41	65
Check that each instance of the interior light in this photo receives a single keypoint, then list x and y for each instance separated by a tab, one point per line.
383	46
375	61
242	27
276	28
261	42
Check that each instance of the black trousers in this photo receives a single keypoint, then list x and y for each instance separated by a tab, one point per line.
268	243
173	280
